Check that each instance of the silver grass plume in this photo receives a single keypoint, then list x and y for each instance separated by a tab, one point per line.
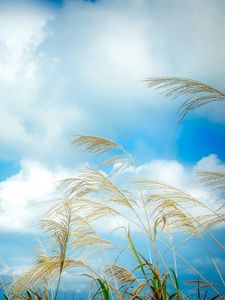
196	92
170	208
99	146
214	180
119	274
65	230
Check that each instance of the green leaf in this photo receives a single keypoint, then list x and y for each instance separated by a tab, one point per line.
179	297
155	283
105	289
136	253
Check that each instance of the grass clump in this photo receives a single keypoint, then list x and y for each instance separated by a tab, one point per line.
156	209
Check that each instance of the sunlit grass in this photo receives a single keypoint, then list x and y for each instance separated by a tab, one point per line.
157	209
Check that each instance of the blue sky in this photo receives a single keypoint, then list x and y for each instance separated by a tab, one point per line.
77	67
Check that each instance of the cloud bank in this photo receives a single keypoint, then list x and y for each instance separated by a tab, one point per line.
79	70
23	197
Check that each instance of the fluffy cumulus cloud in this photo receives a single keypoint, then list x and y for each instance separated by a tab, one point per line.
31	124
78	69
26	195
185	178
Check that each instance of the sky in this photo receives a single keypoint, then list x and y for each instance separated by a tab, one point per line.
78	67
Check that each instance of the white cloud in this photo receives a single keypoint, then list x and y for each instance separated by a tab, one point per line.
168	171
21	31
23	197
185	178
78	70
14	271
210	163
